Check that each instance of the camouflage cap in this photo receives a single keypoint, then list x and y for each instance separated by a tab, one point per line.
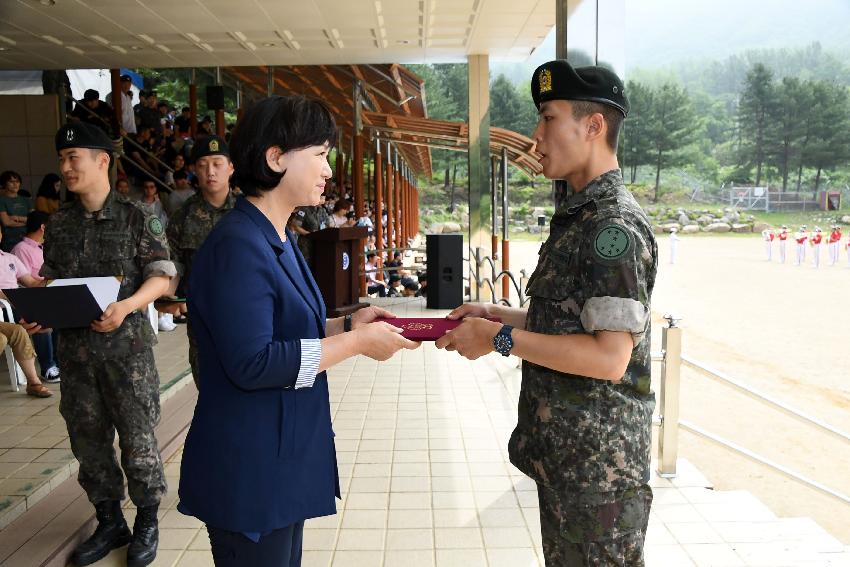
209	146
558	80
82	135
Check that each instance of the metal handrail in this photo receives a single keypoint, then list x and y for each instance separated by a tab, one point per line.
755	394
672	359
490	283
688	426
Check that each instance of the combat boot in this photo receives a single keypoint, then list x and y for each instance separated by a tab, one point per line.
111	533
142	550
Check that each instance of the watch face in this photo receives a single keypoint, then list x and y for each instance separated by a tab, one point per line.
502	343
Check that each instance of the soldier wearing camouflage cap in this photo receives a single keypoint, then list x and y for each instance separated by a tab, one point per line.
585	407
109	378
193	221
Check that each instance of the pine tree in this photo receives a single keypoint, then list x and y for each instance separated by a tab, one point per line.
789	117
758	103
673	126
636	142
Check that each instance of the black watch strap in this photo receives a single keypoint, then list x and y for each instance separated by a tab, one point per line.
346	323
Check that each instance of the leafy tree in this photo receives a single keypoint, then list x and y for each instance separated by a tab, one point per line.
671	129
505	104
636	143
758	104
829	146
793	100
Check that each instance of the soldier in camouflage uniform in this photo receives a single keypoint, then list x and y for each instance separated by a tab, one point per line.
585	407
194	220
109	379
311	219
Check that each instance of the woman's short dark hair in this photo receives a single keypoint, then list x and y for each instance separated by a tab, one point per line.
287	122
342	205
47	189
9	175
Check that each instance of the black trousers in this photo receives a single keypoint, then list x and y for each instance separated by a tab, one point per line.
280	548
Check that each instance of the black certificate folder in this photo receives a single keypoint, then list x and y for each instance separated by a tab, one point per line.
61	307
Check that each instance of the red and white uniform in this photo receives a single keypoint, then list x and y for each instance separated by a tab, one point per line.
783	238
834	243
815	242
847	247
801	237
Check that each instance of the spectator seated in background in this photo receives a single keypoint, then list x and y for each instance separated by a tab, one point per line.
178	163
140	162
341	216
149	116
183	123
122	187
47	197
13	209
372	283
181	192
151	203
94	111
16	337
29	252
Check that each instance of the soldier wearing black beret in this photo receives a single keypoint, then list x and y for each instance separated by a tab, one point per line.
189	226
109	378
585	408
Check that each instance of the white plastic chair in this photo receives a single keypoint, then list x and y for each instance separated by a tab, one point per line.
16	375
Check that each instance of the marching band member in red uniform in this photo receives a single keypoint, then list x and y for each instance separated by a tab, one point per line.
768	237
783	237
801	236
815	242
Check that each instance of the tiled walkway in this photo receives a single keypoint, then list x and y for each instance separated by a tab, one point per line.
421	443
35	454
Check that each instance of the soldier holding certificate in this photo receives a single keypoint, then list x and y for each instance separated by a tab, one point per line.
585	407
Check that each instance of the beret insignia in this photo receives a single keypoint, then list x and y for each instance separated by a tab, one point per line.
545	81
213	145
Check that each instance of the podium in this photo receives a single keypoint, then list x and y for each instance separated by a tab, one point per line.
336	261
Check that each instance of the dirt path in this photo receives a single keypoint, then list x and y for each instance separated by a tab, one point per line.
779	328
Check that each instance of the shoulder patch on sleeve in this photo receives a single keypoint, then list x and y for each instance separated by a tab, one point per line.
612	242
154	226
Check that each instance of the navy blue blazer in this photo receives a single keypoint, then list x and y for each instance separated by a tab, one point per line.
259	454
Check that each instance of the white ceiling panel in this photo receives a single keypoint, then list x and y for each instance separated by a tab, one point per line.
298	30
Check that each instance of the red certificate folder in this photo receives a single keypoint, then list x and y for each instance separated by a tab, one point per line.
424	328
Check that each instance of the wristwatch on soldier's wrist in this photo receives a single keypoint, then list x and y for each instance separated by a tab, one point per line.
503	342
346	323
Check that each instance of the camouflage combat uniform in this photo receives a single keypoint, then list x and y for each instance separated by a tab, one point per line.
109	380
586	442
310	219
187	230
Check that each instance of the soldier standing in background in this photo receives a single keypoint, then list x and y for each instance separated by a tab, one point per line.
109	377
585	407
194	220
674	245
768	236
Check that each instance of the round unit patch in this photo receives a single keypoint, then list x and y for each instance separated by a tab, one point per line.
611	243
155	226
346	261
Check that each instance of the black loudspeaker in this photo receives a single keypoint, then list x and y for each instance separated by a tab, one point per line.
215	97
445	270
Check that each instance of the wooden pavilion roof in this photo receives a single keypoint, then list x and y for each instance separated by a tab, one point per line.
390	89
420	131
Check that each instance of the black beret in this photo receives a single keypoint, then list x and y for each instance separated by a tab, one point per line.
558	80
82	135
209	146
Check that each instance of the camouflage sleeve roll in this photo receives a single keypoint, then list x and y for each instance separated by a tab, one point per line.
152	250
616	265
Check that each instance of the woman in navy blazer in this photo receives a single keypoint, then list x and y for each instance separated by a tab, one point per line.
259	457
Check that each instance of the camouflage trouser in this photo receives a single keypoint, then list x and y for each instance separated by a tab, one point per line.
100	397
193	354
598	530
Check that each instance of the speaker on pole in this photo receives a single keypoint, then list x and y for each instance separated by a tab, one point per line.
445	270
215	97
